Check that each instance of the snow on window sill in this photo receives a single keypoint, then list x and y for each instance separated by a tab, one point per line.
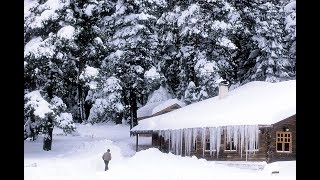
283	151
209	150
254	150
231	150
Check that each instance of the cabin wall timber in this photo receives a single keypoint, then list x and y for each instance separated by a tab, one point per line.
290	124
267	145
259	155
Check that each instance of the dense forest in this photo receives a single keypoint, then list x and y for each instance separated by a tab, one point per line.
90	61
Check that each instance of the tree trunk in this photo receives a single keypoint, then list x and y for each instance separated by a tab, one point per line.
133	107
80	100
47	140
87	106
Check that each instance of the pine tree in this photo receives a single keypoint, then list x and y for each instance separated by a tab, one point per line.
108	104
208	75
190	95
290	32
134	40
272	63
168	47
243	58
43	116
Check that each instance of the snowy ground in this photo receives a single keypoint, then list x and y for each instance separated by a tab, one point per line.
78	157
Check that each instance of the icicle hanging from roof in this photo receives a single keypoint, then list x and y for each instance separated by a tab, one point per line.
180	140
213	137
218	132
194	137
168	135
245	137
203	140
176	141
187	141
253	134
242	135
236	136
174	135
228	131
246	140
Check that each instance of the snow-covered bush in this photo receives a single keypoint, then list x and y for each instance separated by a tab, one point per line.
65	122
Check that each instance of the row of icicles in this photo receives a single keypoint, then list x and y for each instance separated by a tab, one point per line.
245	136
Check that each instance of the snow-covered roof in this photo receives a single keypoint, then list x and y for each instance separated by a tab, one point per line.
165	104
152	108
255	103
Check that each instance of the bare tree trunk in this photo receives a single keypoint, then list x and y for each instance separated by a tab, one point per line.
47	140
133	107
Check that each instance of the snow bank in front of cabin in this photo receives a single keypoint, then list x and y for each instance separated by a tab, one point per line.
255	103
153	164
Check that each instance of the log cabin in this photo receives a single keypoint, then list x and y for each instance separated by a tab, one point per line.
254	122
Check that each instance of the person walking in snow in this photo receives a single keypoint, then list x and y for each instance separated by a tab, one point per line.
106	158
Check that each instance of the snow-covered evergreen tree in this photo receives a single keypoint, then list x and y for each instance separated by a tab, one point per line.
108	104
272	63
290	35
42	116
208	75
133	44
71	48
190	95
168	47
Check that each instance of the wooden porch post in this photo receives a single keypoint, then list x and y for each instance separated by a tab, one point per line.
137	142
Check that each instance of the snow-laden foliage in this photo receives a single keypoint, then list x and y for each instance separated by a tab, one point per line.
208	75
161	94
107	102
41	107
190	95
39	113
273	63
90	76
65	122
71	47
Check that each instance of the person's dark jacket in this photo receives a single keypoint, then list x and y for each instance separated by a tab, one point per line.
106	156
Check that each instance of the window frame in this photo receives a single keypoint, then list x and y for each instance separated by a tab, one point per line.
208	150
253	150
195	144
231	145
283	140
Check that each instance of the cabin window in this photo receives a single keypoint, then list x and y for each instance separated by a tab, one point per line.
283	141
229	146
255	147
207	145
